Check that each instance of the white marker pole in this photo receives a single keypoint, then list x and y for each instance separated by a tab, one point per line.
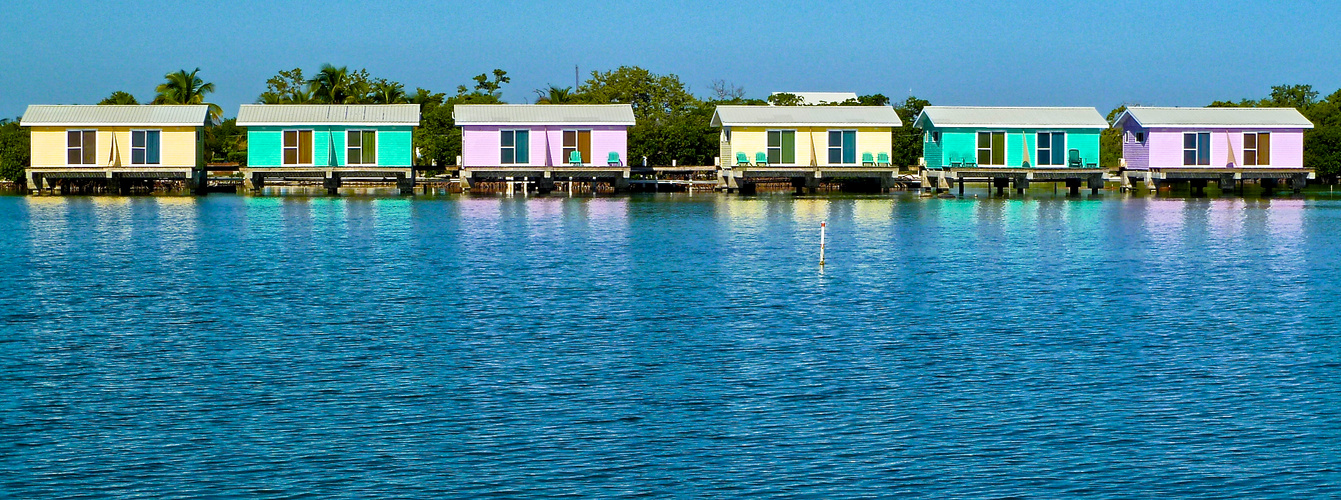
822	224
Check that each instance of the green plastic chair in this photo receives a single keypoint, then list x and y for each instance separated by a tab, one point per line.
970	162
742	160
1073	158
613	160
575	158
882	160
956	163
867	159
761	159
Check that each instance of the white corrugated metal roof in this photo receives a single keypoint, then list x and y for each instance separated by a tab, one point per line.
806	116
543	114
328	114
1216	117
822	97
89	115
1021	117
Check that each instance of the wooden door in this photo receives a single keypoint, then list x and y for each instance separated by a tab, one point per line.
584	145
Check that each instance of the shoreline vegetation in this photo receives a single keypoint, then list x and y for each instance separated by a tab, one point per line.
672	122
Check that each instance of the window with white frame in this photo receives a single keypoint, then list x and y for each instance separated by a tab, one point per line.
781	146
1051	148
1256	148
361	147
81	147
515	147
992	148
1197	148
842	146
297	147
145	146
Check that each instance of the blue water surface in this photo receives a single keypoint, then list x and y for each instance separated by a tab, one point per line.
669	346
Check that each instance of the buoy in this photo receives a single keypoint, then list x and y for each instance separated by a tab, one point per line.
822	224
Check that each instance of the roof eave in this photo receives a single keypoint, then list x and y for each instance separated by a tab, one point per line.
326	124
717	123
533	124
107	124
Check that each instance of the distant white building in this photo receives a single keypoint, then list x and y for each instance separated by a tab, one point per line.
812	98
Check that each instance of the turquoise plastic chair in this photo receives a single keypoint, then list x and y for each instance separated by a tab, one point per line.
1073	158
613	160
956	163
882	160
742	160
575	158
761	159
970	162
867	159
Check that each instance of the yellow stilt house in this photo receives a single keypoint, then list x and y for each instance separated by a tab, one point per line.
115	145
806	143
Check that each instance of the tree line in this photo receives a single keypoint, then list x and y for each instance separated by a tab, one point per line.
672	122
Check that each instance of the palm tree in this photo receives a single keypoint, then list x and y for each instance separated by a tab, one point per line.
554	95
186	88
119	97
331	84
388	92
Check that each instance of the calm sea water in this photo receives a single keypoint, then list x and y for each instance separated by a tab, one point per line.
282	347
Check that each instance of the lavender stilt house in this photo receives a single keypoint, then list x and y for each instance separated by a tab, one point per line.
1225	145
540	143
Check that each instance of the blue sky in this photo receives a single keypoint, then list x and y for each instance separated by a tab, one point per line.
1001	52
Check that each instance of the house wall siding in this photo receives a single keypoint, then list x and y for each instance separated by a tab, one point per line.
265	145
958	144
1136	153
812	143
1166	148
480	144
178	146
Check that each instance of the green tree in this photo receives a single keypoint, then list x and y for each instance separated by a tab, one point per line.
907	141
226	142
1292	96
424	97
868	100
654	98
287	87
1322	150
785	99
14	151
1110	142
672	124
186	88
119	97
483	85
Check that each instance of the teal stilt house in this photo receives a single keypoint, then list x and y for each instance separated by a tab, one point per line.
1006	146
955	136
334	142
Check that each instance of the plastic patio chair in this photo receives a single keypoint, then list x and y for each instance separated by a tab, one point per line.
867	159
882	160
761	159
613	160
1073	158
742	160
575	158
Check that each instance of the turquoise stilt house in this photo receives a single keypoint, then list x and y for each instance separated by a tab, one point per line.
1010	137
330	141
